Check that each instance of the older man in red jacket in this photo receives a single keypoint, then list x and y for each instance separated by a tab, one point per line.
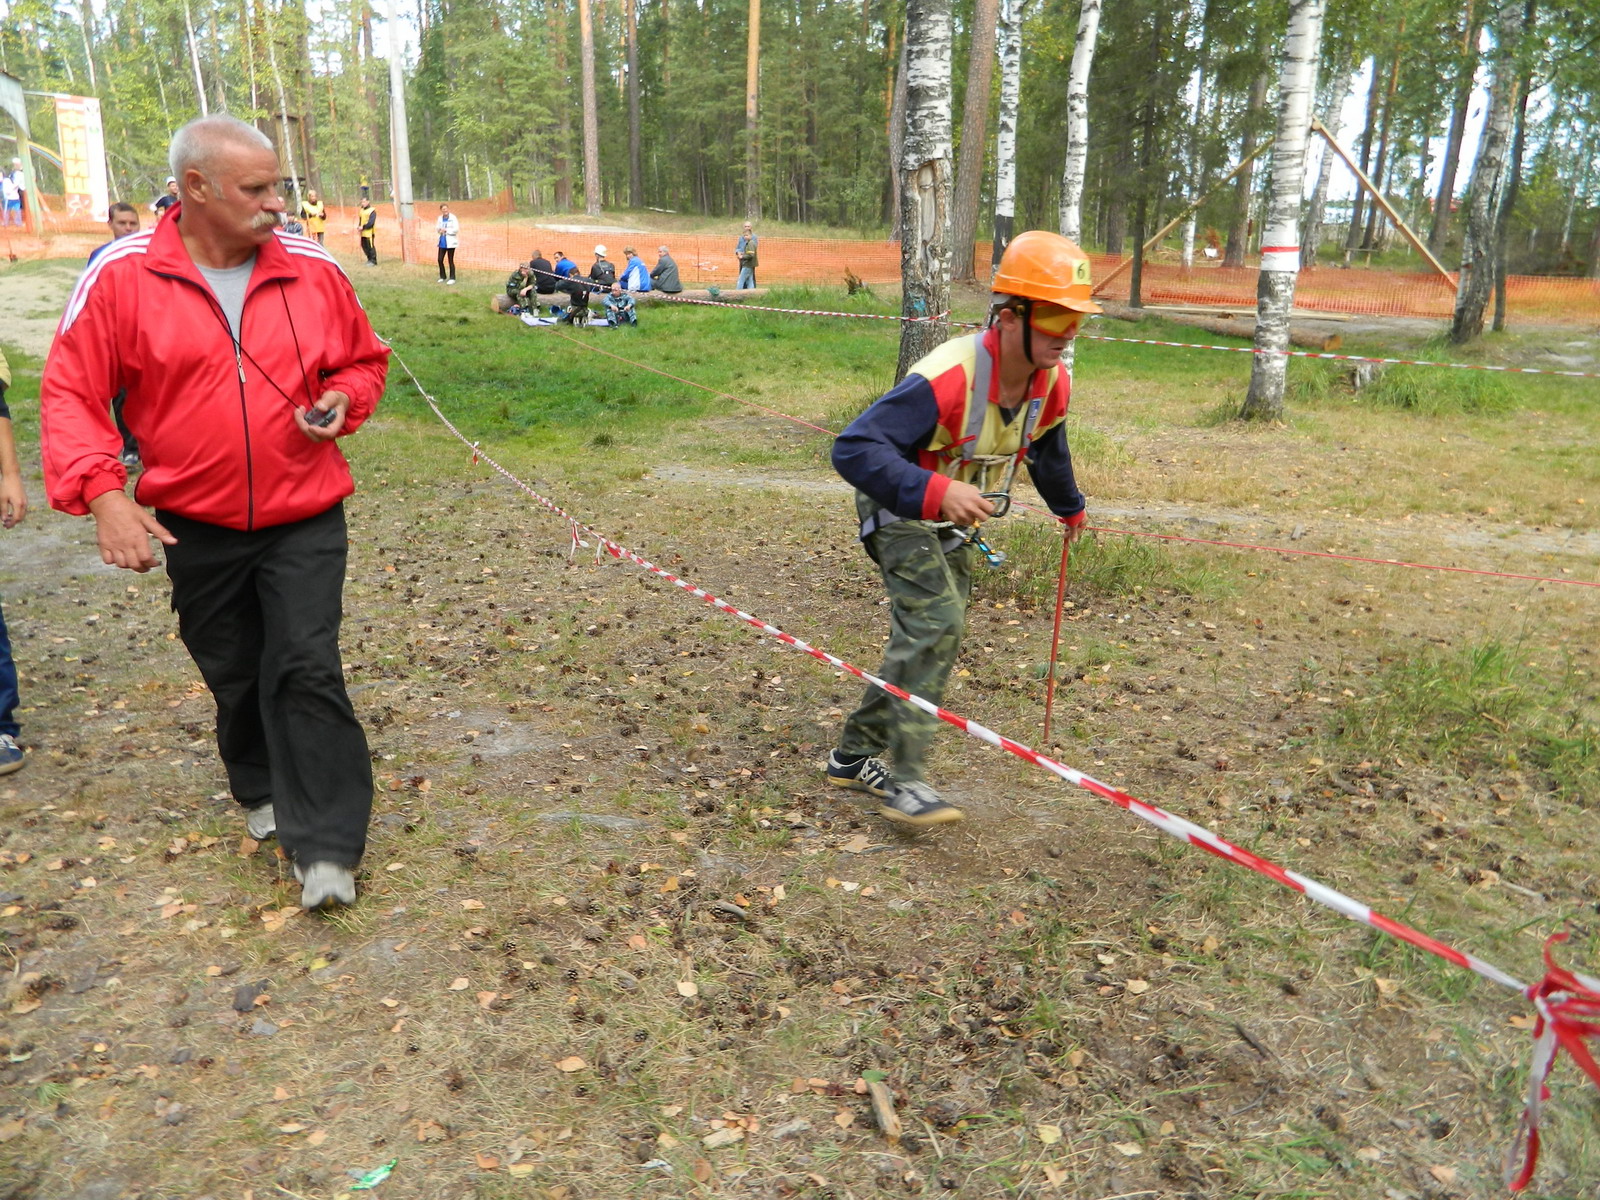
244	354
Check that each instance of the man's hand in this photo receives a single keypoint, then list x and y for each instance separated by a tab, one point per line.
13	502
124	531
1075	526
336	402
964	504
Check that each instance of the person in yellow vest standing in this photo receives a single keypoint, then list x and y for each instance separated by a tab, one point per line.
930	461
315	214
367	227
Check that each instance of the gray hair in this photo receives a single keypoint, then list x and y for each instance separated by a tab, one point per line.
195	146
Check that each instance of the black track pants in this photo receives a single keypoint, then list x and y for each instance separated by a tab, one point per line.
259	612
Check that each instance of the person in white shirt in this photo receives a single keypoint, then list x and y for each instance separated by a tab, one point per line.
11	194
449	228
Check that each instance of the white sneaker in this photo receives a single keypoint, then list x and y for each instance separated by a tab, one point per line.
325	885
260	822
450	282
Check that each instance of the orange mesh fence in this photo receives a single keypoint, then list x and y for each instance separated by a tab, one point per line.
494	240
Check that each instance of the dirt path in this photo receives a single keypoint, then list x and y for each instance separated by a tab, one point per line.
32	303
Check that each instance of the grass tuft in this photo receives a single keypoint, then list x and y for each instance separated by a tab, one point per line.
1481	708
1099	568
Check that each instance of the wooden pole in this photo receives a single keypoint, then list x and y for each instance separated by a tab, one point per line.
1417	243
1155	239
1055	638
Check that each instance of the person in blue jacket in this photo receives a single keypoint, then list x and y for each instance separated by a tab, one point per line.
635	275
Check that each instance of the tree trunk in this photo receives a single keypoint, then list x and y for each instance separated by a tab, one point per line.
1332	102
1196	163
194	59
1005	140
1244	185
561	156
591	116
1439	230
897	143
1502	234
925	183
635	159
974	139
752	127
1488	177
1071	216
1353	237
1280	242
1380	168
1584	165
286	143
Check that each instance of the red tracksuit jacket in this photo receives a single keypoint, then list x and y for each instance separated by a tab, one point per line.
215	426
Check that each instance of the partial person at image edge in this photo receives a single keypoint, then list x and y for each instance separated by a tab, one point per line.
13	508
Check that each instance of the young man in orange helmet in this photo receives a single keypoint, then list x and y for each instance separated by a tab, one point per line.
921	458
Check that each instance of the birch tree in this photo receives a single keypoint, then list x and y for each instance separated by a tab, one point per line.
1280	242
974	138
925	182
1078	120
1488	179
1005	140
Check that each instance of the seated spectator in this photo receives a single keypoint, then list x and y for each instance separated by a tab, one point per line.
564	265
522	288
543	273
665	273
620	307
576	310
635	275
602	271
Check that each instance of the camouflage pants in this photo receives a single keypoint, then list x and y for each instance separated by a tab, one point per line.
928	593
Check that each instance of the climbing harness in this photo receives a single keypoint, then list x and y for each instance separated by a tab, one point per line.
952	535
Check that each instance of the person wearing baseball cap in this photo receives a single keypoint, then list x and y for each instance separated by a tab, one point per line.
930	461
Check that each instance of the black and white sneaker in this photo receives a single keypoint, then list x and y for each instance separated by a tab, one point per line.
919	805
868	774
261	822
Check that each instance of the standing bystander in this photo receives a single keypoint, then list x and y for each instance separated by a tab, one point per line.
315	214
123	218
746	250
13	507
449	228
245	354
11	194
166	200
925	459
367	227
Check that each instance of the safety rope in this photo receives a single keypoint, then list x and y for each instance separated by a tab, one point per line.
1566	1002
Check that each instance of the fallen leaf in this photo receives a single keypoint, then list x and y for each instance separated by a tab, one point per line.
1443	1174
1386	987
1054	1176
459	984
844	1118
856	844
638	941
571	1063
1049	1134
486	1162
1138	987
719	1138
702	1171
1369	1154
520	1169
1128	1149
1168	1129
688	987
472	905
429	1131
316	1137
280	1093
486	1000
292	1127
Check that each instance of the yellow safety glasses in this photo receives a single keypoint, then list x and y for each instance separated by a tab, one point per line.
1054	320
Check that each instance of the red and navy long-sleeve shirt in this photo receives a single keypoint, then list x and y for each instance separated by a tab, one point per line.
906	448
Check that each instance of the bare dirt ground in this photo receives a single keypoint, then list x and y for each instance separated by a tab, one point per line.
616	940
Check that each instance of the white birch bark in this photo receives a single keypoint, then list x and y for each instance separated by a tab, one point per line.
1196	167
1005	140
1488	181
1280	242
1332	101
925	171
194	59
1078	120
283	113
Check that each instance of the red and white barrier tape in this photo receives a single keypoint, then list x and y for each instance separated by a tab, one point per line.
1168	537
1102	337
803	312
1401	362
1567	1003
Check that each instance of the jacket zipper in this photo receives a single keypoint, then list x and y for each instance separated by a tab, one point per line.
244	408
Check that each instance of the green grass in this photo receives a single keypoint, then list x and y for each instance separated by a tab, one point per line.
1482	707
1100	568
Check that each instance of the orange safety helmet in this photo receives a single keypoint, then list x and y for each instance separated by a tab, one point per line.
1040	265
